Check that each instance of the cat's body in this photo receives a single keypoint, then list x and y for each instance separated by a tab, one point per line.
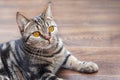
40	53
34	62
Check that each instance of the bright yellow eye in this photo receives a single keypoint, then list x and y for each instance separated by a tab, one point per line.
36	34
51	29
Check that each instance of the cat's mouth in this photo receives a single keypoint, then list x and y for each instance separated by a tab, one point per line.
45	43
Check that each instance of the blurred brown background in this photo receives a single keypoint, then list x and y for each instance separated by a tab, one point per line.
89	28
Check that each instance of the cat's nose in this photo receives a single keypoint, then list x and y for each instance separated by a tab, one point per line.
48	38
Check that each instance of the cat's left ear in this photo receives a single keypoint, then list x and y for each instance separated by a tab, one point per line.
21	21
47	13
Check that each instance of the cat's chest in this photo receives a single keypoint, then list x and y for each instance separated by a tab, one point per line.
35	71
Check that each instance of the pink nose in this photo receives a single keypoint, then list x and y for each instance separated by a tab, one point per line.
48	37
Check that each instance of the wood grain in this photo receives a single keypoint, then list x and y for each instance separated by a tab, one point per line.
90	29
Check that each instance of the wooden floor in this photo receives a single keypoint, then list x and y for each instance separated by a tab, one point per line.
89	28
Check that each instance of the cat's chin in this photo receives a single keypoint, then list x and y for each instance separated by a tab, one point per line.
43	45
46	44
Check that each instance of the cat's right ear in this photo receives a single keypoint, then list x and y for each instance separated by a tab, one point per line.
21	21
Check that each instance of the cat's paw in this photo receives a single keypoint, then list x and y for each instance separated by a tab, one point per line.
88	67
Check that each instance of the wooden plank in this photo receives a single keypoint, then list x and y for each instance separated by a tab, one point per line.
90	29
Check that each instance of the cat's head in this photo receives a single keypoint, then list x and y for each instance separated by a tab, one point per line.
39	31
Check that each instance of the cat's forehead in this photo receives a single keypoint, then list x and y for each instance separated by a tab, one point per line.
41	20
35	21
34	24
38	19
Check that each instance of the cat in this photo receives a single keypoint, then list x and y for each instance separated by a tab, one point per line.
39	53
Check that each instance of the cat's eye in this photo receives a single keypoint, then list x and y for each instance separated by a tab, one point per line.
36	34
51	29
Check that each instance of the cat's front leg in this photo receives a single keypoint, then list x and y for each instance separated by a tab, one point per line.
81	66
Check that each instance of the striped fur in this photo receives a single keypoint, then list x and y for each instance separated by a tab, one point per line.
38	58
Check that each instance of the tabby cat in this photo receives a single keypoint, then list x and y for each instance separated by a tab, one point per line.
39	53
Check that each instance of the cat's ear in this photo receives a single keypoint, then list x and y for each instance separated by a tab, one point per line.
21	21
47	13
